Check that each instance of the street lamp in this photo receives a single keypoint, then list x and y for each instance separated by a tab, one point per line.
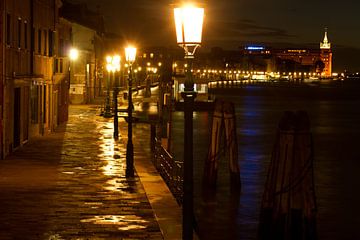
109	68
73	55
130	55
188	23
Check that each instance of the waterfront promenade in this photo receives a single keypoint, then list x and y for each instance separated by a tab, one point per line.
72	185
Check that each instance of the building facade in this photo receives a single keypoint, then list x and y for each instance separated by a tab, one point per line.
326	56
267	59
31	91
87	34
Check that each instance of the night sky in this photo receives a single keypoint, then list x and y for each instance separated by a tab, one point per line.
233	23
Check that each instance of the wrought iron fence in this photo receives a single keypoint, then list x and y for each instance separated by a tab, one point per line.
170	170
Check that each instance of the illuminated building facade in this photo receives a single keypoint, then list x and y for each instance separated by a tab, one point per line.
33	90
261	58
326	56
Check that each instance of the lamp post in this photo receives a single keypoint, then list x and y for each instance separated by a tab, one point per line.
73	55
188	23
109	69
116	68
130	55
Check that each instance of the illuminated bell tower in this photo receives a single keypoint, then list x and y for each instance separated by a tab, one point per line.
326	56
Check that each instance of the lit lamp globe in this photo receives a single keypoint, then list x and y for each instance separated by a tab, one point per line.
130	54
188	23
116	63
73	54
109	67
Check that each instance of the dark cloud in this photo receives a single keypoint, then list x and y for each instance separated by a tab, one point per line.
230	22
251	28
246	29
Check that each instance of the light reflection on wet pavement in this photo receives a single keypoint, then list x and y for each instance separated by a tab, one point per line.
81	191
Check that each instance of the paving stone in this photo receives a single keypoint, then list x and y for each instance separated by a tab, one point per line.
72	185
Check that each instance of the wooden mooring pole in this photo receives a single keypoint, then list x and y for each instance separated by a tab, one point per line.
288	209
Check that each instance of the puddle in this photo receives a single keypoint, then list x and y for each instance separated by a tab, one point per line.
125	222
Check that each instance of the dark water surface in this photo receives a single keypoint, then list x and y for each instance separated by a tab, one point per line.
334	112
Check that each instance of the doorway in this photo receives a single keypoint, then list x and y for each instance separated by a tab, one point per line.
17	107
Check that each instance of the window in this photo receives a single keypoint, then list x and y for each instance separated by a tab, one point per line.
61	65
39	41
56	70
19	33
8	29
51	43
25	35
45	43
61	47
34	103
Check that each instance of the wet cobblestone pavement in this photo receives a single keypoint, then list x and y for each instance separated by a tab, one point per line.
72	185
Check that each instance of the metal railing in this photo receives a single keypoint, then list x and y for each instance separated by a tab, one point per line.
170	170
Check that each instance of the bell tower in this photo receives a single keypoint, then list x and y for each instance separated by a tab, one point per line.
326	56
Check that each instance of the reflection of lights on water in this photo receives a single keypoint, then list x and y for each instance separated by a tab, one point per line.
250	132
94	205
55	237
107	150
153	109
125	222
115	186
110	169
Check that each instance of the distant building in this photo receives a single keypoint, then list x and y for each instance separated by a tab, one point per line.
326	56
257	58
306	60
87	31
267	59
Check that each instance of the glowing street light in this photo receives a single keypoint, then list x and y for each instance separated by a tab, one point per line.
130	56
188	23
73	56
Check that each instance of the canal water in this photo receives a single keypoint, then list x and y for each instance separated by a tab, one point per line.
334	112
